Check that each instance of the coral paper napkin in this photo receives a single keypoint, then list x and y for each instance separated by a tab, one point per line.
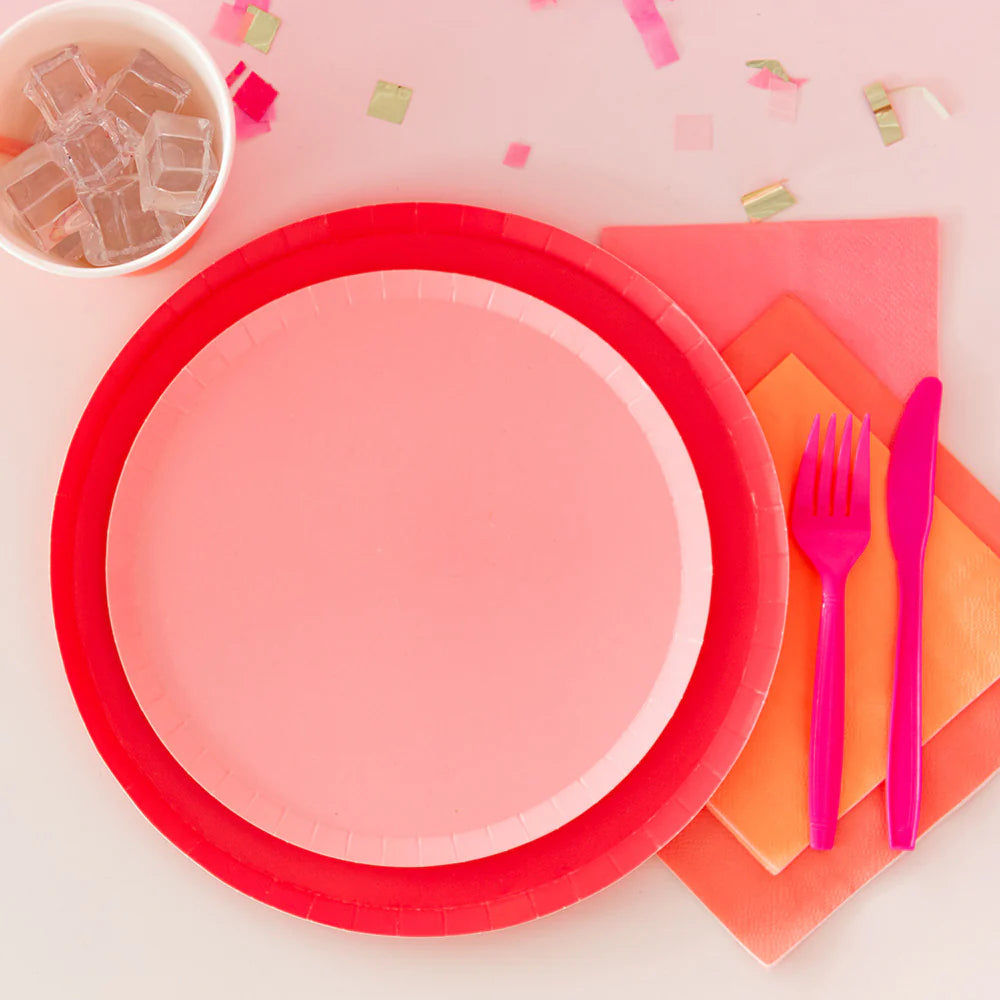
768	913
874	281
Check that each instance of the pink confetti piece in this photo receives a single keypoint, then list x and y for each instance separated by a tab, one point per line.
654	32
784	99
539	4
763	77
517	155
693	133
235	73
255	97
247	128
259	4
230	24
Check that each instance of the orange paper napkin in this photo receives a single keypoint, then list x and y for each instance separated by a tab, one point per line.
764	798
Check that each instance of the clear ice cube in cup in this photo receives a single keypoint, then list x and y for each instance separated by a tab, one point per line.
42	132
70	249
40	195
92	151
176	165
121	229
62	87
171	224
145	86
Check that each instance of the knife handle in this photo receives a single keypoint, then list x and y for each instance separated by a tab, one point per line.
903	776
826	745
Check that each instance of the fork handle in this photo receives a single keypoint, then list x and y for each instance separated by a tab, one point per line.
903	777
826	750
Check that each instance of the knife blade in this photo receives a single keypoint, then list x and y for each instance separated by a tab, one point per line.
910	501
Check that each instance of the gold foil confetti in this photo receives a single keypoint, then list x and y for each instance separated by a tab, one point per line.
885	115
389	102
261	29
772	66
767	201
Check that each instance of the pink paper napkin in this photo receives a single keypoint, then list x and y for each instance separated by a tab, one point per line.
874	281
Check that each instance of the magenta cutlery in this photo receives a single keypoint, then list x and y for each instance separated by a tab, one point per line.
831	521
912	463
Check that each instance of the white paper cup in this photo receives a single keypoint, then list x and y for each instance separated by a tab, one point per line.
109	32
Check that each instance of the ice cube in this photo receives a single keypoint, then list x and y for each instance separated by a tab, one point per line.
42	132
176	165
41	196
70	249
121	229
171	224
143	87
92	152
62	87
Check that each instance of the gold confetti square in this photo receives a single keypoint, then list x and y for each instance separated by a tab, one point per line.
261	29
389	102
885	115
767	201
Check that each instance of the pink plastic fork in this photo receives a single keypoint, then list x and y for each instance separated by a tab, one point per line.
831	521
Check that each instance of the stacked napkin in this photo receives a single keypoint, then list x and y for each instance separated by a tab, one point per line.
875	283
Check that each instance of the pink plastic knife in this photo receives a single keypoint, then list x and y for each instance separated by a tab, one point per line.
911	504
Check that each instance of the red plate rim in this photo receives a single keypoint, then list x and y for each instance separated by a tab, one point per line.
675	779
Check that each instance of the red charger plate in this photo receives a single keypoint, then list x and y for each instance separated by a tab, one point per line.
706	733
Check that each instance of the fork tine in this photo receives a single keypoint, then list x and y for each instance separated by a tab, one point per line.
825	493
843	469
860	491
805	485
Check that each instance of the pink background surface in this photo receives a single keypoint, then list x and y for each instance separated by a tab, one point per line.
408	569
85	882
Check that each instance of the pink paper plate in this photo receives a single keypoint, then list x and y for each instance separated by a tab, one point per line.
699	744
369	578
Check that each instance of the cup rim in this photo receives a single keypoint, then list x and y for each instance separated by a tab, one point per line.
218	91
